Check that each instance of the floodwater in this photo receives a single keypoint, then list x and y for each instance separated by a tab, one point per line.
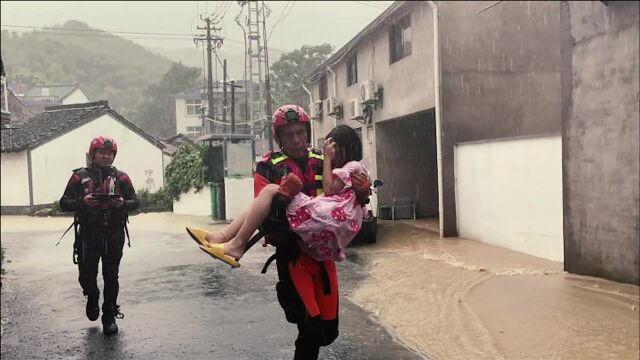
461	299
178	302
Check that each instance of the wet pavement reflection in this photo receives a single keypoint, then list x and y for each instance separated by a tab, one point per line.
178	304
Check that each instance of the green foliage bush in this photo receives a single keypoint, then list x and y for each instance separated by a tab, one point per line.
185	170
154	202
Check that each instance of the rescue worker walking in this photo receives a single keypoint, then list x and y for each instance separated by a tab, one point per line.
101	197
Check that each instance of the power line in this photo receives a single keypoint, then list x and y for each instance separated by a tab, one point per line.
369	5
382	4
103	35
93	30
282	16
105	32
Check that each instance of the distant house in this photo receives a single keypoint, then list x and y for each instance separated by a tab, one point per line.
172	143
190	104
39	155
37	98
19	111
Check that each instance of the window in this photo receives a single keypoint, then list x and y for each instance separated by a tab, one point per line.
194	132
352	69
400	39
323	87
193	107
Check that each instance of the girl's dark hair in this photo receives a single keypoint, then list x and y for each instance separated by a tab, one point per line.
348	142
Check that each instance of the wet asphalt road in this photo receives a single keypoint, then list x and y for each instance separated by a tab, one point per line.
178	304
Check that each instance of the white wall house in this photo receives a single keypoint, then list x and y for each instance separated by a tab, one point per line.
76	96
188	118
189	104
39	97
38	158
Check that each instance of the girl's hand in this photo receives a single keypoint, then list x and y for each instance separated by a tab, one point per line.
329	149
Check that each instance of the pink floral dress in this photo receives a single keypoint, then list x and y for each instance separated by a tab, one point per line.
327	224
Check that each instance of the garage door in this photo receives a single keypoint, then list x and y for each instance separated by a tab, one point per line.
509	193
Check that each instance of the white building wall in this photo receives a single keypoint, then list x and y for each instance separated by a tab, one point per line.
53	162
238	194
14	177
408	82
194	203
509	193
76	97
182	119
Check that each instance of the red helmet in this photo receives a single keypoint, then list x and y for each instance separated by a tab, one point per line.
288	114
102	142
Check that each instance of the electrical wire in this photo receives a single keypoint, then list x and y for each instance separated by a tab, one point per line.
105	33
282	16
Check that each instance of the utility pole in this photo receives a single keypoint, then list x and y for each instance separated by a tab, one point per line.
212	41
233	86
224	93
267	81
258	116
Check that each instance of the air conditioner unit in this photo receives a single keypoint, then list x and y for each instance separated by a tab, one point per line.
368	90
329	106
355	109
316	110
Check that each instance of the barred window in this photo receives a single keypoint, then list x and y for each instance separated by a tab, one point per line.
194	132
193	107
400	39
323	87
352	69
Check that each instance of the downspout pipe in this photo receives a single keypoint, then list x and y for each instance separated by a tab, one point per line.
311	120
335	83
437	80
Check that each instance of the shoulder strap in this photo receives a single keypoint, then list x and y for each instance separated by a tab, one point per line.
316	154
278	157
66	231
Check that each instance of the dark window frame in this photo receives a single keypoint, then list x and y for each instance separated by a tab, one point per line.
400	39
322	88
352	68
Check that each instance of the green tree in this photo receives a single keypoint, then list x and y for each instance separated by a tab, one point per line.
107	67
157	114
292	69
184	172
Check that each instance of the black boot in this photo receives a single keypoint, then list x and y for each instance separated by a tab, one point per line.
109	315
93	310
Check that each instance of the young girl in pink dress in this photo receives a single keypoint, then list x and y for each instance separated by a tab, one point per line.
326	224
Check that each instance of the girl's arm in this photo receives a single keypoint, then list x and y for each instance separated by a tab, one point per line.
330	184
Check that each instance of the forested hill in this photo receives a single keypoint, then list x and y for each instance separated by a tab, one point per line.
108	67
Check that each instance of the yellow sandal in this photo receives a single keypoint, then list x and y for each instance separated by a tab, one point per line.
217	251
200	236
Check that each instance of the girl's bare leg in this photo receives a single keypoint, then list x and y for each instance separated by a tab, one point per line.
228	232
253	217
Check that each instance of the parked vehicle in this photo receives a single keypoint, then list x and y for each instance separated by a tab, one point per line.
369	229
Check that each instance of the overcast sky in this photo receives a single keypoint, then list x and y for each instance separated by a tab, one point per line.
296	22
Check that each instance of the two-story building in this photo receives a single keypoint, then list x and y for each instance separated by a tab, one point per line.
458	106
191	103
37	98
381	84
